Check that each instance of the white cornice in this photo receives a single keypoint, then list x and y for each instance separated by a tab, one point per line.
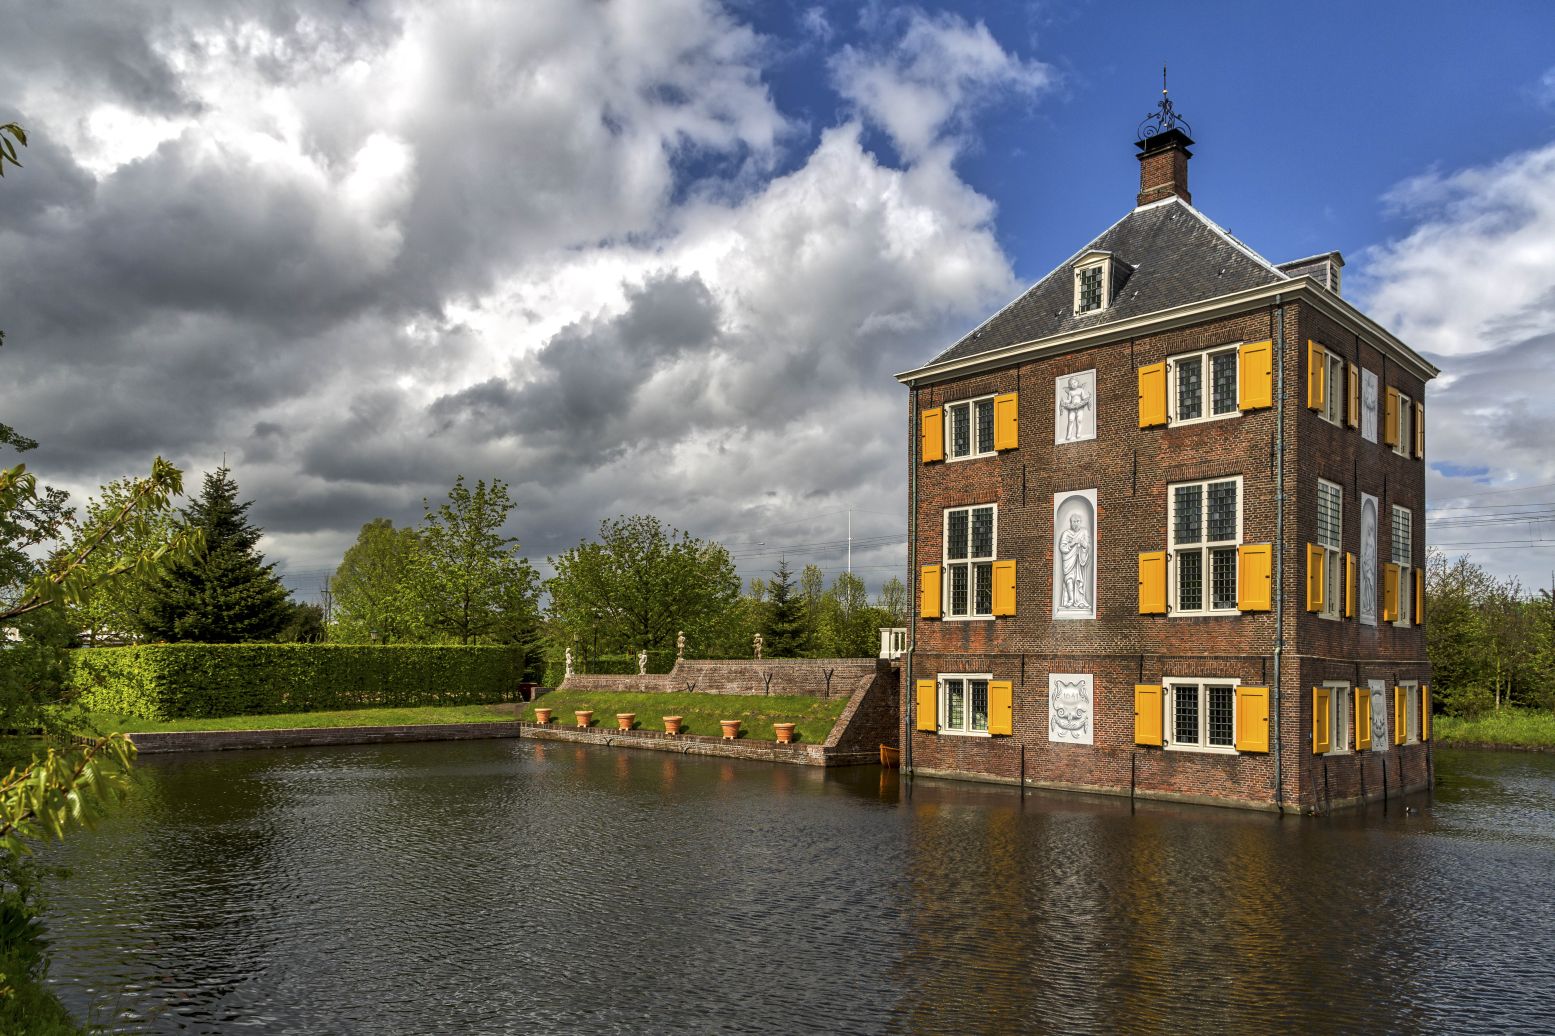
1303	288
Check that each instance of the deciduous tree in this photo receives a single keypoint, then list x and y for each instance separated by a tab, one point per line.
640	583
374	591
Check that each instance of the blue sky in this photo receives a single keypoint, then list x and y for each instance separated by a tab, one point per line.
665	256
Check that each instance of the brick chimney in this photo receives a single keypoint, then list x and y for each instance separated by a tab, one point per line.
1163	166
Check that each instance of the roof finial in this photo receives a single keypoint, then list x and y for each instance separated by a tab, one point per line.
1165	116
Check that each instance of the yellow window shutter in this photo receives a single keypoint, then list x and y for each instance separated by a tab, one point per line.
928	592
928	705
1349	586
1419	597
1425	712
1006	421
1353	411
1322	733
1399	713
1148	714
1389	592
1255	382
1001	707
1004	587
932	435
1315	581
1362	718
1152	583
1254	561
1317	375
1252	719
1390	418
1152	395
1419	430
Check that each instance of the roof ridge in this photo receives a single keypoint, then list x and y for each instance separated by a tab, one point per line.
1233	239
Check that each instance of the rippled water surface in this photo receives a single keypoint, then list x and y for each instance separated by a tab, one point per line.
523	887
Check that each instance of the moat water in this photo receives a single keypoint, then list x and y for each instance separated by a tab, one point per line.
528	887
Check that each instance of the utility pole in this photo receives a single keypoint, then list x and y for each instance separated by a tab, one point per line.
850	541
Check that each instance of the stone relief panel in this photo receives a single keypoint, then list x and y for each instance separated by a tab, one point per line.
1379	715
1070	703
1074	407
1074	555
1368	405
1366	578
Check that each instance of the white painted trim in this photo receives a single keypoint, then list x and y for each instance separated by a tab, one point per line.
1207	385
946	561
1339	704
941	701
1169	719
1203	547
970	402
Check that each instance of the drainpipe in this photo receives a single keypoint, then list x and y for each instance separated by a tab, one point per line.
909	689
1279	537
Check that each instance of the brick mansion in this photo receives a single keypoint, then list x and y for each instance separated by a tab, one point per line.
1167	526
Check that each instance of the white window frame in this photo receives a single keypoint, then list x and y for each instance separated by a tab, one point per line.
1406	582
1338	385
1201	357
1201	686
1411	690
1204	548
1104	265
971	563
1339	716
1333	556
942	704
971	405
1403	428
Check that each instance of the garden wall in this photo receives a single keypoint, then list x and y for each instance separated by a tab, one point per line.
810	677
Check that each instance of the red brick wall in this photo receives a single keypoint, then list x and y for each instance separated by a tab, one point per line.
1131	468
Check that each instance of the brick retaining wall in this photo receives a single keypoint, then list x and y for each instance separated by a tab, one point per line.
811	677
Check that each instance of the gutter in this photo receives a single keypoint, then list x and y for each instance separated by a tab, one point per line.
1279	538
909	689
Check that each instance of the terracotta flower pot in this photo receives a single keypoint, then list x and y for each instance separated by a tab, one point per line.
585	717
731	728
672	724
784	731
543	717
624	720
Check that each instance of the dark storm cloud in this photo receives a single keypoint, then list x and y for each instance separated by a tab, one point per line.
357	250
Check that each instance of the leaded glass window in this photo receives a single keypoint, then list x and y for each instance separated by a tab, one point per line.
1205	532
969	556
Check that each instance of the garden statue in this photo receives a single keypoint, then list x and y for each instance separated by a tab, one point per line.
569	661
757	641
680	644
642	663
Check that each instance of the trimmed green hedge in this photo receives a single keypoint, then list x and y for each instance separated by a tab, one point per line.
186	681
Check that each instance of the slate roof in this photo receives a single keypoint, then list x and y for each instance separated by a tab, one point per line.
1172	255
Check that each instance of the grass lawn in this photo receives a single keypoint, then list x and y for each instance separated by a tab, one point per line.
1510	726
700	713
106	721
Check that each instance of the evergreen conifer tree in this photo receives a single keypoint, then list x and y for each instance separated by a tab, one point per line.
226	594
787	632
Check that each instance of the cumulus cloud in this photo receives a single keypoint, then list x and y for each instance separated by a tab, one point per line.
922	83
359	250
1470	285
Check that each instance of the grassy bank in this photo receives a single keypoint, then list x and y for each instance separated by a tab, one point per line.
700	713
106	721
1531	728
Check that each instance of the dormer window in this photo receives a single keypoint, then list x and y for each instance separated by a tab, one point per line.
1092	283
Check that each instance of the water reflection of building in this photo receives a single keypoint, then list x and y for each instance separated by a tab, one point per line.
1125	605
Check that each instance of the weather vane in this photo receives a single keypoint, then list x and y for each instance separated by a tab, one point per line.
1165	118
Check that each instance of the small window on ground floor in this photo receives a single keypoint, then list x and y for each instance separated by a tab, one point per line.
1201	714
963	703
